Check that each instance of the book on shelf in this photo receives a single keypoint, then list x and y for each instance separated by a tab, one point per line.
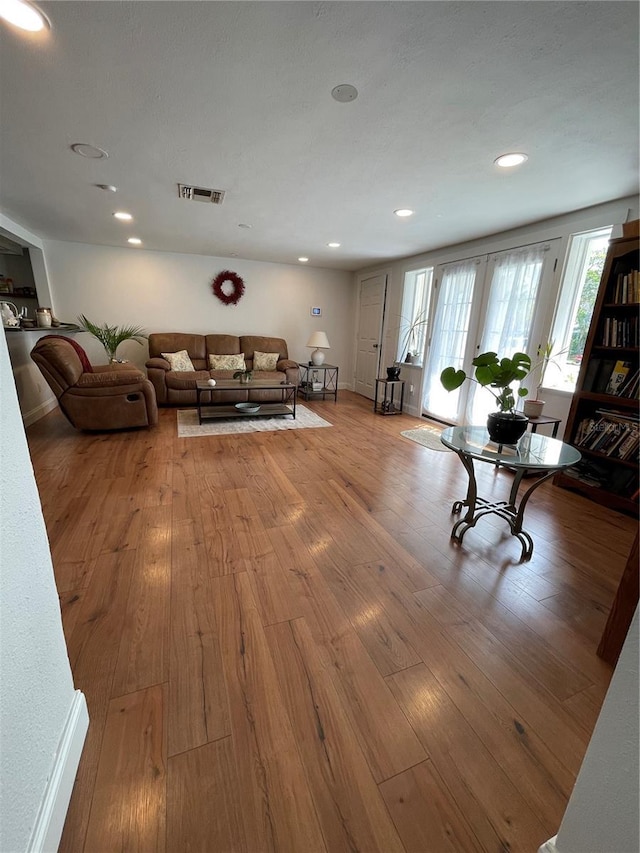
627	416
618	375
619	331
627	288
602	475
609	433
631	385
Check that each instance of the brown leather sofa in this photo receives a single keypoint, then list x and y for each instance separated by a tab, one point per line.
178	388
101	397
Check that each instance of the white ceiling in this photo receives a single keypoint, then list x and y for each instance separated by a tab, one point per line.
236	96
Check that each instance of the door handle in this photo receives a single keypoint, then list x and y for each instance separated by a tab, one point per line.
375	346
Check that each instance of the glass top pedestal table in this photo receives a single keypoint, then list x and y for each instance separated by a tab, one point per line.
534	455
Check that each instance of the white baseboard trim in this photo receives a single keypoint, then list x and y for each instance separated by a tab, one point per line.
40	411
549	846
47	830
411	410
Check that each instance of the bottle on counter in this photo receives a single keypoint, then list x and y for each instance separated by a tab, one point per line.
43	318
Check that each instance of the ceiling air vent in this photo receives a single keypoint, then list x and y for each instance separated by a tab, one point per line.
189	193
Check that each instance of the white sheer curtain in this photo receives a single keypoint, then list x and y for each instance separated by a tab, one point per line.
515	281
449	339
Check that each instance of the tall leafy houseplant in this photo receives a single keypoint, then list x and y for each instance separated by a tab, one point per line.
112	336
498	376
411	335
533	407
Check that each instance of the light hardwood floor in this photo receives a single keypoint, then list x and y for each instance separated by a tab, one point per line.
281	649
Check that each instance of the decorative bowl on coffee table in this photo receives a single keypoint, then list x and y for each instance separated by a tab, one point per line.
248	408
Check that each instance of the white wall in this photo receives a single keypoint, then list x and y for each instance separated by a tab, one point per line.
163	291
614	212
602	814
37	692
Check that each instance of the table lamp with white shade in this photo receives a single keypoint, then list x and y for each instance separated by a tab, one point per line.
320	341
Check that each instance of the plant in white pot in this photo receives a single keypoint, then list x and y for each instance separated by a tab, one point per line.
409	343
498	376
411	337
533	407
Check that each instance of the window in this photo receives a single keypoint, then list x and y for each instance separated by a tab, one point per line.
578	292
412	334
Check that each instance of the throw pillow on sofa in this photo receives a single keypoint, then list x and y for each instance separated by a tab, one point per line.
227	362
179	361
265	360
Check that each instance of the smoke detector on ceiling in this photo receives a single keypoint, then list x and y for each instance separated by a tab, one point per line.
344	93
190	193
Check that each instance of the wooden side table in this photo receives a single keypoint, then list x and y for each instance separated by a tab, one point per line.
388	404
541	420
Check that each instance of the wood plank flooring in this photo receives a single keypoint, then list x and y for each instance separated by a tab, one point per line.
282	650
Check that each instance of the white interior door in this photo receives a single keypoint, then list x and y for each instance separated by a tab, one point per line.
371	314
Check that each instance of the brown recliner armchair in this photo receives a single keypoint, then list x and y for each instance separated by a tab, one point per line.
110	396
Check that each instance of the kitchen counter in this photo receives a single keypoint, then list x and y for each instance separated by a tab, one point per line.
48	330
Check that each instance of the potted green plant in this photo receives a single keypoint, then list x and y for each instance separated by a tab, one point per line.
533	408
408	347
243	375
111	336
410	338
498	376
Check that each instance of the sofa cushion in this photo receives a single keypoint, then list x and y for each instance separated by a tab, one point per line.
160	342
179	361
265	360
185	380
222	344
84	358
250	343
233	361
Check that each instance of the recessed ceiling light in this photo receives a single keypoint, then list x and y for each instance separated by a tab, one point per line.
123	216
243	225
333	245
107	188
303	260
344	93
403	211
90	151
23	15
135	241
506	161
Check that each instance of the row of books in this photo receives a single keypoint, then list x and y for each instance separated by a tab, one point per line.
601	475
611	376
620	332
623	381
612	434
627	288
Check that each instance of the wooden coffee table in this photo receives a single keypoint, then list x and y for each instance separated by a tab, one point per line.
207	410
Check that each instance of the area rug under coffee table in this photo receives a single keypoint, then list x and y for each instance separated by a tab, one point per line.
188	426
426	436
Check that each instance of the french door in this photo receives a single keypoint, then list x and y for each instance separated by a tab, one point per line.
456	286
484	304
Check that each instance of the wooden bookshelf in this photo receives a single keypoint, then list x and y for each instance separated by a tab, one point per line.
603	419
